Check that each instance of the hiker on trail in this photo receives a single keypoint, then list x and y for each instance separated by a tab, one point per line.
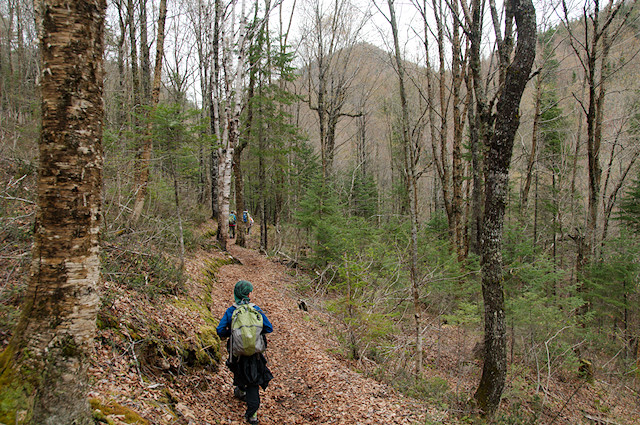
246	325
232	224
248	220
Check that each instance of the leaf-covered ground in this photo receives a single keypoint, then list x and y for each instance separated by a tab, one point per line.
311	385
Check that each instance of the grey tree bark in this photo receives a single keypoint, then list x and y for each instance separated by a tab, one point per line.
499	151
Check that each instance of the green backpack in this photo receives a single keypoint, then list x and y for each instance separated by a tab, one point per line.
246	331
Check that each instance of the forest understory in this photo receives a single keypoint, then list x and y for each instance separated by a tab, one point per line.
315	382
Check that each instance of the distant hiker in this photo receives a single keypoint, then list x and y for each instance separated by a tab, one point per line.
248	220
246	325
232	224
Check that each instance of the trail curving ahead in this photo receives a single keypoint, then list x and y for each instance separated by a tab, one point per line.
311	385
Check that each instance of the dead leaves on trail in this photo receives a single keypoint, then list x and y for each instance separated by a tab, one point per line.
311	385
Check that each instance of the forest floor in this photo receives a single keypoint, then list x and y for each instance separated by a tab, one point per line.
313	382
311	385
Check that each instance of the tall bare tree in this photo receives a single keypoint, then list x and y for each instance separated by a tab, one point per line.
446	106
144	150
44	368
333	32
236	34
410	165
503	123
592	46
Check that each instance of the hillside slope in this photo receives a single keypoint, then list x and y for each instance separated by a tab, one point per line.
311	385
157	362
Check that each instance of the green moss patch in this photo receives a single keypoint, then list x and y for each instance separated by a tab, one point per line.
15	400
102	411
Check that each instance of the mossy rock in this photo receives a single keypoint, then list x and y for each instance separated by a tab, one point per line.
102	411
204	353
211	233
210	342
200	352
200	308
214	264
150	354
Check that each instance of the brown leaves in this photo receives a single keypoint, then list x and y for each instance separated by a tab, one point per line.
311	385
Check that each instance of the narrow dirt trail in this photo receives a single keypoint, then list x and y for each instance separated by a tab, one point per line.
311	386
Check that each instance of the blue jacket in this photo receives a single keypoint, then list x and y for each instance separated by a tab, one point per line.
224	327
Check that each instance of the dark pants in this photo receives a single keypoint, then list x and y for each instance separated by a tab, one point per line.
253	399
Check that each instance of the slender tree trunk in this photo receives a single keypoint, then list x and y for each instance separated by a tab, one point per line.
576	155
478	126
176	193
322	116
410	166
120	95
44	367
144	153
262	184
457	176
498	160
202	22
445	173
534	146
157	70
145	61
214	106
240	207
139	166
611	201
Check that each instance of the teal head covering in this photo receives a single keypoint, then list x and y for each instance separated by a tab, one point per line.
241	291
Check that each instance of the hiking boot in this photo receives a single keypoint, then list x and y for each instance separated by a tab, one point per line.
252	419
239	394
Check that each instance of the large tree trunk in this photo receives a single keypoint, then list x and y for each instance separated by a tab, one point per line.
237	155
44	368
500	147
235	45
